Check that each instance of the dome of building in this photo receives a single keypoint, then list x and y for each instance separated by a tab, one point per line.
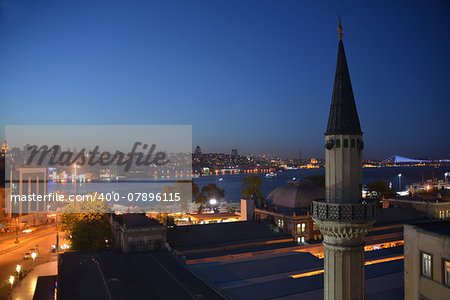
295	195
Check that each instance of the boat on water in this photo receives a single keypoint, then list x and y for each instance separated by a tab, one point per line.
271	175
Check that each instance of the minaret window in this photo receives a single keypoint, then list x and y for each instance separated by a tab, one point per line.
338	143
353	143
345	143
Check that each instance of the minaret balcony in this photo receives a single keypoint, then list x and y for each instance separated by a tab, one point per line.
344	212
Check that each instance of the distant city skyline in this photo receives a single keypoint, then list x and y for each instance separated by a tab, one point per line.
251	76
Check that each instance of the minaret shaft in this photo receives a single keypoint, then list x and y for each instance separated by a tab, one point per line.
343	174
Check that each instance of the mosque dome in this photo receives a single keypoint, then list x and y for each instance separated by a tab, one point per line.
295	196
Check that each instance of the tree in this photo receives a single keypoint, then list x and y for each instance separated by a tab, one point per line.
251	189
382	190
164	218
87	222
208	192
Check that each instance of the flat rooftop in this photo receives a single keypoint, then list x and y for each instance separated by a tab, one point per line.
439	227
220	234
110	275
269	276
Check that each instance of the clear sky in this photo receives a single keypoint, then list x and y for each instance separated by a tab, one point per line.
251	75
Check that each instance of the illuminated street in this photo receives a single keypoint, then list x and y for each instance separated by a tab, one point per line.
12	254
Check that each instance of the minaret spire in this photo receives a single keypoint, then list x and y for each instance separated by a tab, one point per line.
340	30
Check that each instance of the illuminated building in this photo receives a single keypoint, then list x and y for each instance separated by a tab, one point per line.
288	207
213	218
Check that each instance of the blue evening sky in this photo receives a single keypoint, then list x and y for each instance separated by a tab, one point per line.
251	75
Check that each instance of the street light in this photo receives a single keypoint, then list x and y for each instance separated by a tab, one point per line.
33	256
18	268
17	231
446	174
400	181
11	281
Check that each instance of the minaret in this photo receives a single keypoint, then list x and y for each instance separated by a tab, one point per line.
343	218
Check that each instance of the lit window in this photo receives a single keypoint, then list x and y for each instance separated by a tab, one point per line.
303	227
338	143
314	226
303	239
426	264
299	227
280	223
447	272
345	143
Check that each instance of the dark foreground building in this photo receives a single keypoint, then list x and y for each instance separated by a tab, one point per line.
109	275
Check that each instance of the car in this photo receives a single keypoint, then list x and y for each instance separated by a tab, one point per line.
27	255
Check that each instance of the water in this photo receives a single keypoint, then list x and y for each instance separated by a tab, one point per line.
232	183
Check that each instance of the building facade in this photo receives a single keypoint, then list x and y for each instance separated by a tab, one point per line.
137	233
427	261
289	208
433	208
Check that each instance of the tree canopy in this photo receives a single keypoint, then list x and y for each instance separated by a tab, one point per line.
208	192
87	223
251	189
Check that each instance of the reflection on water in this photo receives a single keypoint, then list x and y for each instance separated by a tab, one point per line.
232	183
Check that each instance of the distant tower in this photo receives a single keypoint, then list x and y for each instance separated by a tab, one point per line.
343	218
5	147
234	152
198	150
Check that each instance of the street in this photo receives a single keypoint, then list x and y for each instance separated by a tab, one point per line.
12	254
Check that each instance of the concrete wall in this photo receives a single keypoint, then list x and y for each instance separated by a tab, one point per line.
416	285
247	209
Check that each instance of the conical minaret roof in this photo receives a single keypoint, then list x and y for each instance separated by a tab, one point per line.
343	117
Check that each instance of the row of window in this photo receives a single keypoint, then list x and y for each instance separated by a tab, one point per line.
352	143
427	268
280	223
301	239
444	214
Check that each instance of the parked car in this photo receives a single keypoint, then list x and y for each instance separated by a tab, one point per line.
27	255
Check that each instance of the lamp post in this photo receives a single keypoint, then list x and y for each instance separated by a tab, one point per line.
212	203
11	281
33	256
17	231
446	174
400	181
18	269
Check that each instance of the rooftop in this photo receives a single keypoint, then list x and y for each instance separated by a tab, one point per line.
219	234
135	220
109	275
438	227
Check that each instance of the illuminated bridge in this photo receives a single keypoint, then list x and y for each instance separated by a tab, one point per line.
395	159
